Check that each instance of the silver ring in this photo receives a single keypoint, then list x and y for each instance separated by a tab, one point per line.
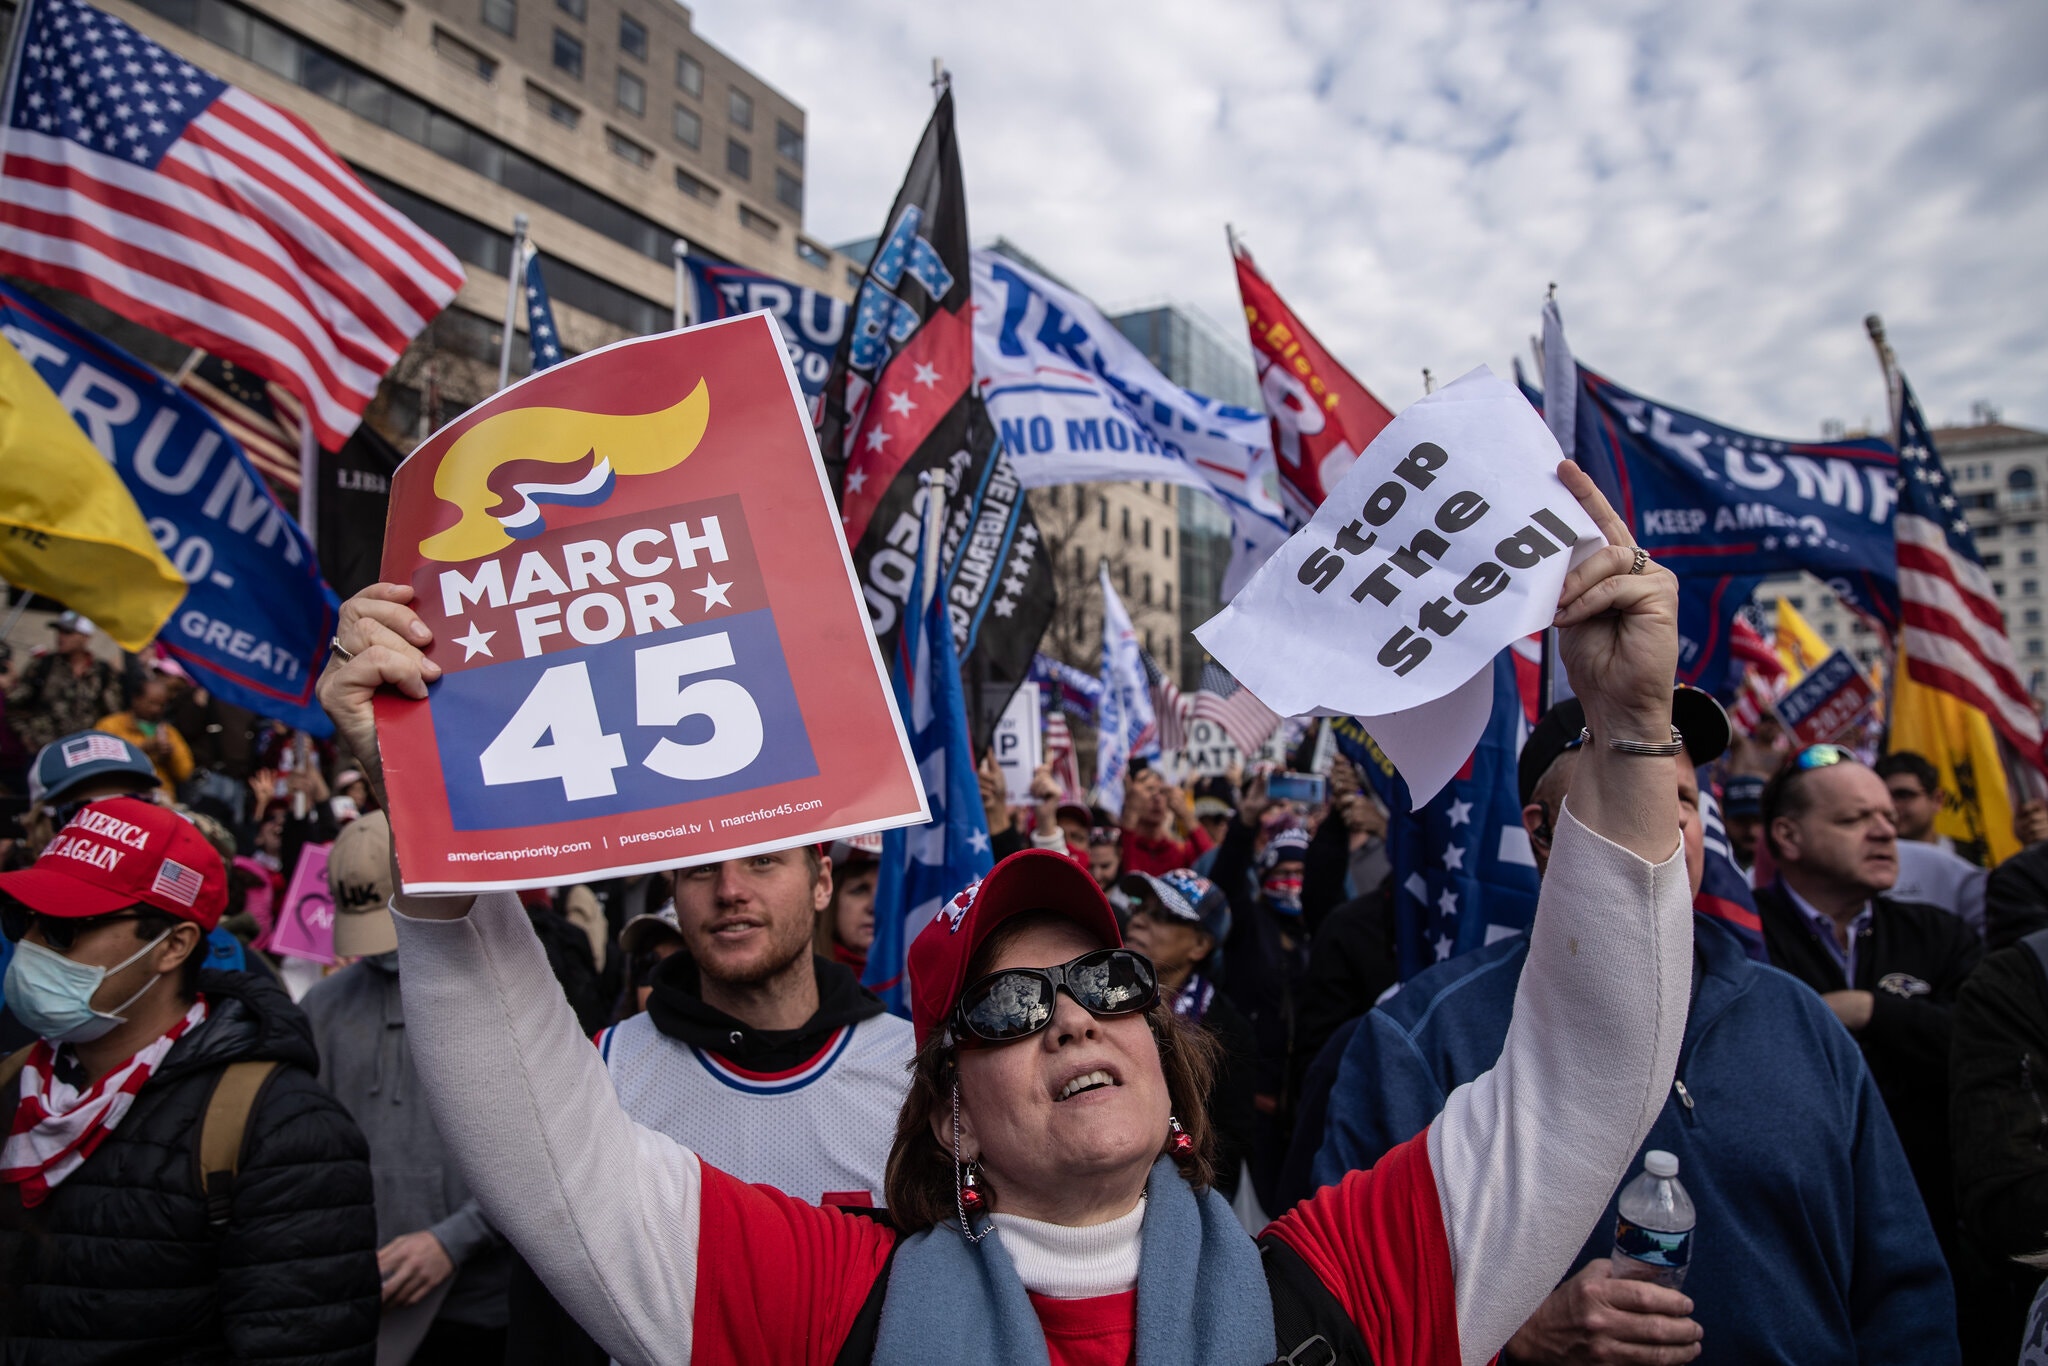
1642	561
346	654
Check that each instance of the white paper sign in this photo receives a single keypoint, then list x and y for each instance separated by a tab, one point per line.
1209	751
1018	749
1447	540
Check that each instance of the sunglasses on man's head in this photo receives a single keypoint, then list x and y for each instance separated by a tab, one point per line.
59	932
1821	756
1016	1003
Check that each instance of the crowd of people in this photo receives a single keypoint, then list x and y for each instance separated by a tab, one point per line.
660	1118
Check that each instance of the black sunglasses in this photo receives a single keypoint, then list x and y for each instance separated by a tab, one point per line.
1018	1002
58	932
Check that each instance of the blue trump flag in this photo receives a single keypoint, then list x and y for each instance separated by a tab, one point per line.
1463	872
924	866
256	617
812	320
541	336
1724	895
1725	509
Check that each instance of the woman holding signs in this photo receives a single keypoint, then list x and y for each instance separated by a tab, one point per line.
1048	1186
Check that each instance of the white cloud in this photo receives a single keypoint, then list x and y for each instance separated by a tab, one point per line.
1720	191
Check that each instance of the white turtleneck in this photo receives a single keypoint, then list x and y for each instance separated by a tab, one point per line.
1064	1263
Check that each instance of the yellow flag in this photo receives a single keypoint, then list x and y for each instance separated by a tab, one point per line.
69	528
1798	644
1958	740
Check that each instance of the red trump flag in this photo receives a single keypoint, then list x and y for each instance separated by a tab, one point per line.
1322	416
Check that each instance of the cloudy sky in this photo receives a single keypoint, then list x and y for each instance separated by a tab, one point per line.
1720	191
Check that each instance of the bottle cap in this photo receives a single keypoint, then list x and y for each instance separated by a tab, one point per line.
1659	1163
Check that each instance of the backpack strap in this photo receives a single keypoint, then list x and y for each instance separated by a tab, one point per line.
223	1132
1310	1324
11	1065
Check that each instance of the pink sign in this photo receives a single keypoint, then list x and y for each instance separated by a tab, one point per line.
305	919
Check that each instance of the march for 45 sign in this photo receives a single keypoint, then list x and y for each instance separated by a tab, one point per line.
654	651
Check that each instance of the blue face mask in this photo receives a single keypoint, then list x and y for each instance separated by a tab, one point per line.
52	995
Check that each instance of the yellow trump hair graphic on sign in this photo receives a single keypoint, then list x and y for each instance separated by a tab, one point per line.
644	443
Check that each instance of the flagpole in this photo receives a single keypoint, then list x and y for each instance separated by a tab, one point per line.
1889	364
512	274
928	545
680	251
17	39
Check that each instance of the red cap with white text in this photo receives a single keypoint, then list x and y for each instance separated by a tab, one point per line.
124	852
1031	880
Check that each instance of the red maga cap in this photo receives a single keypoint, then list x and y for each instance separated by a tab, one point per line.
123	852
1032	880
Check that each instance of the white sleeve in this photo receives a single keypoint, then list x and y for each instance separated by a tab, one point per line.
1528	1153
606	1212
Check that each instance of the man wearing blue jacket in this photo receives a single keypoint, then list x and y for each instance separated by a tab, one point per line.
1812	1243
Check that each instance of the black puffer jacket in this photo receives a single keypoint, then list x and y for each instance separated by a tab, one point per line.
120	1265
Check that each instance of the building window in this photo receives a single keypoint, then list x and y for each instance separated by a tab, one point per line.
811	254
1998	587
789	191
473	60
689	128
387	12
1993	560
1148	533
739	159
2019	477
1166	601
632	37
789	142
1796	603
625	149
2026	557
556	108
569	54
689	75
1127	534
2029	587
1828	629
575	8
755	221
632	93
1148	640
739	108
1126	586
502	15
1102	514
2022	528
854	275
1166	541
1148	590
1080	562
695	188
2032	616
2034	646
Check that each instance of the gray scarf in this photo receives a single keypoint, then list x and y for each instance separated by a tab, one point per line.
1202	1297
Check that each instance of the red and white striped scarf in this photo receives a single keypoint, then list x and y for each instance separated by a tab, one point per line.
57	1126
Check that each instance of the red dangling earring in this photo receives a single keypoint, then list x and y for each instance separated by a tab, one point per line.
1177	1140
971	1203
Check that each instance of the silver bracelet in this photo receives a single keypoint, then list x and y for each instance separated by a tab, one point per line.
1640	747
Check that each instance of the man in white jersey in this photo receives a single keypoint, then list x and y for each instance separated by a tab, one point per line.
771	1062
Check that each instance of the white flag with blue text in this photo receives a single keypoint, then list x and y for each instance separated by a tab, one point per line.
1125	727
1077	402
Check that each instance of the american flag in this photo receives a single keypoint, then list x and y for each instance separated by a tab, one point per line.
1954	634
1763	676
542	338
1062	757
1169	708
158	190
1222	699
181	884
263	416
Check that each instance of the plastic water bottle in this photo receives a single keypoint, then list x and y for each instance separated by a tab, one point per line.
1653	1226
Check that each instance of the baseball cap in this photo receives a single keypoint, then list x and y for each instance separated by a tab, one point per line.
122	852
1030	880
636	933
1207	808
856	849
1742	795
359	880
1701	723
1288	844
1187	896
72	621
84	756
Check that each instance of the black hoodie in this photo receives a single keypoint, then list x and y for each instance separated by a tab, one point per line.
676	1005
120	1263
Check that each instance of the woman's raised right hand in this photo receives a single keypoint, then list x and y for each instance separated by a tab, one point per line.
386	640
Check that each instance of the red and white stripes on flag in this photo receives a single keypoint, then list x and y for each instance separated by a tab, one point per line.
159	191
1169	708
1222	699
1953	633
1061	755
